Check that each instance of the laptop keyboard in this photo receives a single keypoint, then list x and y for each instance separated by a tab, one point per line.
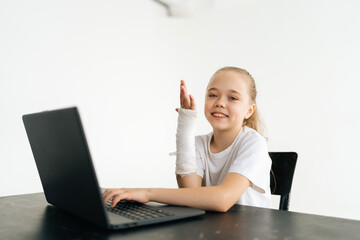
136	211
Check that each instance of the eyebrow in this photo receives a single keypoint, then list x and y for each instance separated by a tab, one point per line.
233	91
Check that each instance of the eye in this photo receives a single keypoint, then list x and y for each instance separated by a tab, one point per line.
233	98
212	95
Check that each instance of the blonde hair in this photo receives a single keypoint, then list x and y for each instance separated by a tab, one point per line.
254	121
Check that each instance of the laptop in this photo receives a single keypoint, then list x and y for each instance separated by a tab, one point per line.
68	177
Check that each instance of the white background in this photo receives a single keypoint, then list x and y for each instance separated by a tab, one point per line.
121	63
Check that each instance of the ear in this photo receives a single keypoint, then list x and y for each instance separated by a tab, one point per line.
250	111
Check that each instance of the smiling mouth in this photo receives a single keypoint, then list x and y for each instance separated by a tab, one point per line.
219	115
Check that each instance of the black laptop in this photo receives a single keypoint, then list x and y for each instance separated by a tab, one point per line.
68	176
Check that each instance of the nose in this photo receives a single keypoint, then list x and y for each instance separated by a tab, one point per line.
219	103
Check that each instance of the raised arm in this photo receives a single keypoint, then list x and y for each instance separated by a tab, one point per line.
185	141
218	198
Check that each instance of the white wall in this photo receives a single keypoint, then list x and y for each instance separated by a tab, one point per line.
121	62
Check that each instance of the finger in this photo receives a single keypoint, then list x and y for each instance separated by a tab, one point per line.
192	102
185	103
111	193
182	94
183	84
116	199
184	97
187	100
107	198
106	194
183	91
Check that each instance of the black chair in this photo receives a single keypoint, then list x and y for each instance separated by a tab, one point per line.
283	167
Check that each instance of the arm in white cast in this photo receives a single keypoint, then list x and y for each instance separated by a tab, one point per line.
185	142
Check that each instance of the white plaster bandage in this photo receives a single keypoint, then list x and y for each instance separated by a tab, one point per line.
185	142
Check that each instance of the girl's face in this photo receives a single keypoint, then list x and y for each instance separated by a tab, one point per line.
227	101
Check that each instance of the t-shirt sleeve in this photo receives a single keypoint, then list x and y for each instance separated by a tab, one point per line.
253	162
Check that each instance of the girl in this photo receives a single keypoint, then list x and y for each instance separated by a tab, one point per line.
227	166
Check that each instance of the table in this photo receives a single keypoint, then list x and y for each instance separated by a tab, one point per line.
31	217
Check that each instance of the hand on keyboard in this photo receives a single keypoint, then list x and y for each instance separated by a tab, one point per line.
134	194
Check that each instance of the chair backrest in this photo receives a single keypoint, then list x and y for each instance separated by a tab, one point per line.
281	177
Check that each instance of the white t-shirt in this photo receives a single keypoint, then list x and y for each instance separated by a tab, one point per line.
247	155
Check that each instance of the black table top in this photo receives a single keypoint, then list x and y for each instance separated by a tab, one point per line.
30	217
